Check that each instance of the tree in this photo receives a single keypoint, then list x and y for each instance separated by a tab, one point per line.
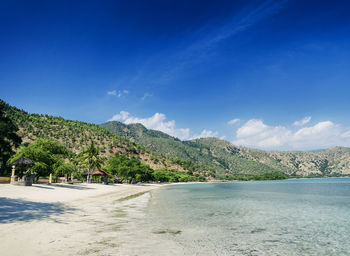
8	138
132	170
90	157
65	169
47	156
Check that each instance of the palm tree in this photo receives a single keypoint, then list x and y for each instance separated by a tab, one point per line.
90	157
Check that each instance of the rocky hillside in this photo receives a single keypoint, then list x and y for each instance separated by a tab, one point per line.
332	161
225	157
218	154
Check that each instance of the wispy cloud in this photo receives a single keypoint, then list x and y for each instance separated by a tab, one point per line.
200	44
234	121
208	38
118	93
240	22
114	92
302	122
146	95
158	122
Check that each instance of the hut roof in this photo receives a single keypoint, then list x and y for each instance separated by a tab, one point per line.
100	173
22	161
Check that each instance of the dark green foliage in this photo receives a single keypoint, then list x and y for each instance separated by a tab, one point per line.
132	169
65	169
90	156
324	166
47	156
265	176
175	176
8	138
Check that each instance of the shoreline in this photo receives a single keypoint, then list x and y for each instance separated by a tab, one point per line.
81	219
89	219
68	219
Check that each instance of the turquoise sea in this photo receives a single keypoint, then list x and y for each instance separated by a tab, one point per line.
289	217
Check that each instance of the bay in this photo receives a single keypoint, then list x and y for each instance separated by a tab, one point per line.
289	217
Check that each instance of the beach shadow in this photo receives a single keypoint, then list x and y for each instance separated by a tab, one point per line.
12	210
77	187
41	187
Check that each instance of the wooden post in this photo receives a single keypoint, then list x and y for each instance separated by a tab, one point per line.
13	171
50	178
13	177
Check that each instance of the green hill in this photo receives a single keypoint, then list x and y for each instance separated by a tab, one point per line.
225	157
77	135
212	152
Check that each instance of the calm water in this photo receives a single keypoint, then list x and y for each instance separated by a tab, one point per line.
291	217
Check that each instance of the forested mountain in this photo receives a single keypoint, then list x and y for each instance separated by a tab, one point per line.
225	157
77	135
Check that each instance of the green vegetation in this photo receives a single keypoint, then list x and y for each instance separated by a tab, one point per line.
8	138
76	136
212	155
133	171
91	158
223	157
265	176
48	157
174	176
205	154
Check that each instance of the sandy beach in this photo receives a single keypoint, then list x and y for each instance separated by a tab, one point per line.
79	219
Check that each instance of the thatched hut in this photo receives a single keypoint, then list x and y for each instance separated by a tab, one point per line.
26	180
102	174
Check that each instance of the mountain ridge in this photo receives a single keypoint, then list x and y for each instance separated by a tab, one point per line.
228	158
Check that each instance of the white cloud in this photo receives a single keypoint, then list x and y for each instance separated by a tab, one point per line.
158	122
118	93
255	133
205	133
302	122
114	92
346	134
234	121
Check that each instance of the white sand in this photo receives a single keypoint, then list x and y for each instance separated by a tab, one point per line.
77	219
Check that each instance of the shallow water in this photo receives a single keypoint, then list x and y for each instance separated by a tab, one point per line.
290	217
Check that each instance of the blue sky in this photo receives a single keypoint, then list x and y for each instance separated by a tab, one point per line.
278	69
